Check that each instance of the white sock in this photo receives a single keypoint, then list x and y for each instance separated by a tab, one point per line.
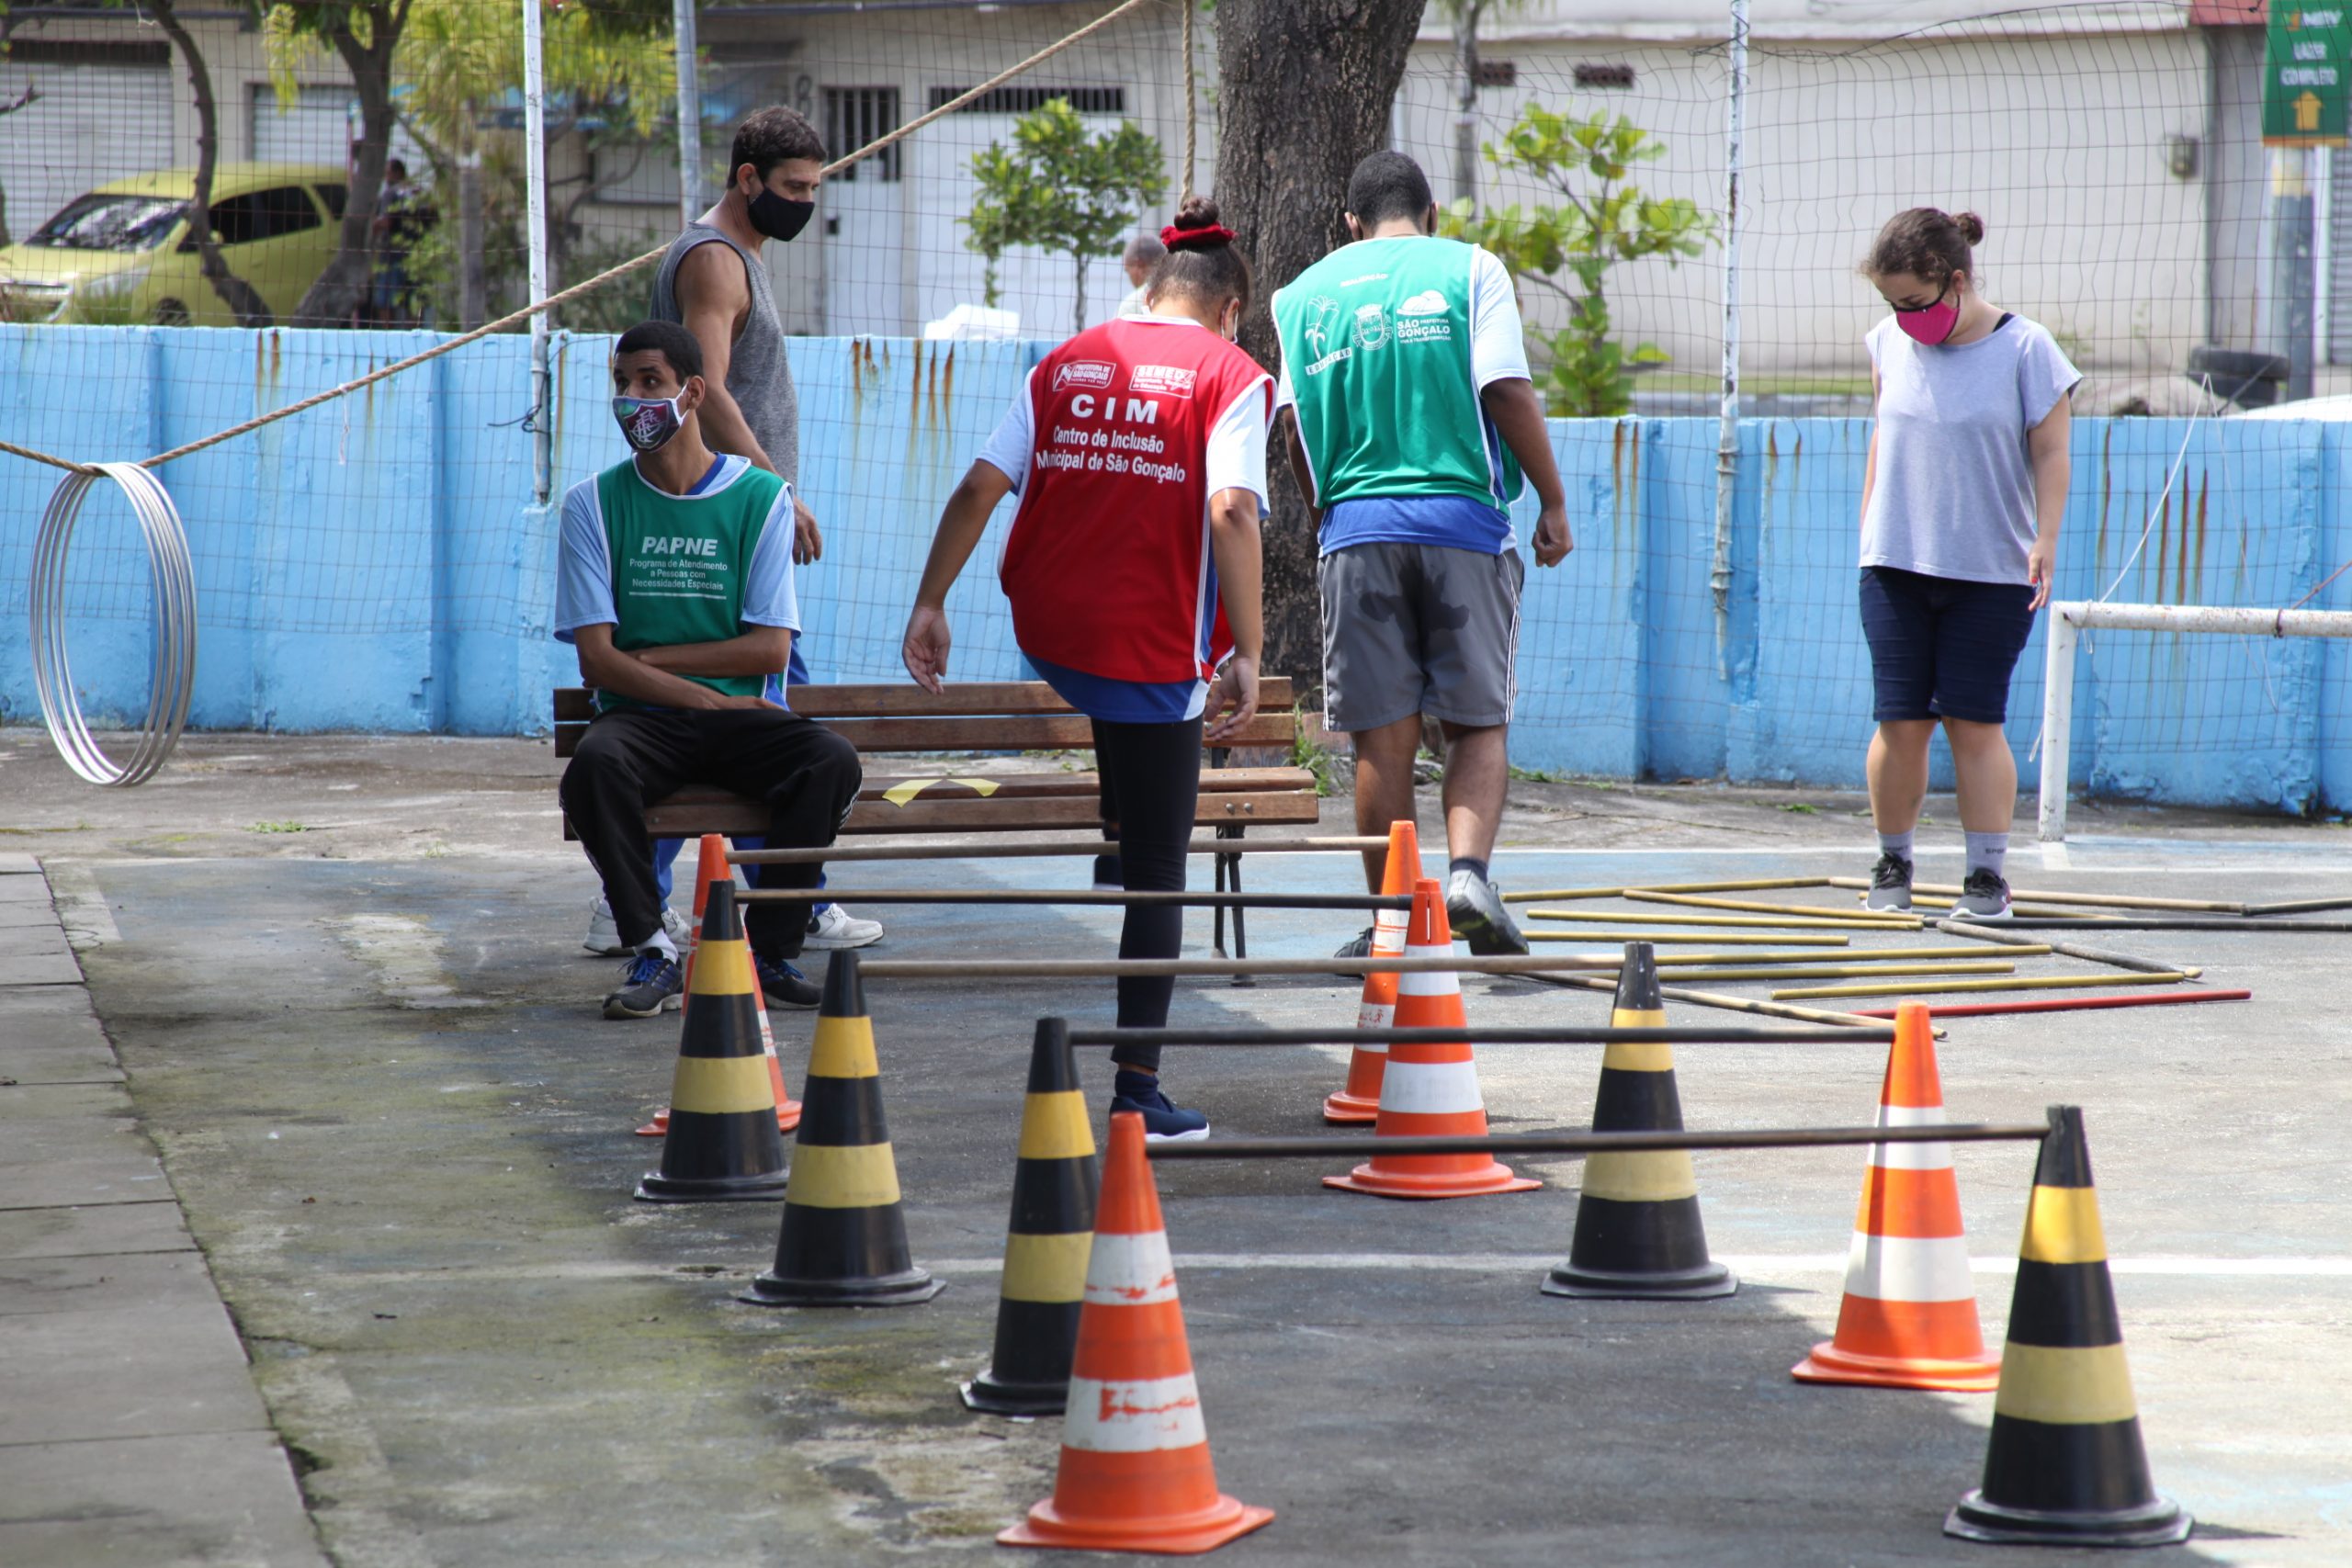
660	942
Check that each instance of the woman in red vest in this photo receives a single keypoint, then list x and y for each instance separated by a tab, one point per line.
1139	450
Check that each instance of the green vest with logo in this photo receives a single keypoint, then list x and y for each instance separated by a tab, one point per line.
1376	343
679	565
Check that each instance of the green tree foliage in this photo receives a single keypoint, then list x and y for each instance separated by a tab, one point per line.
1600	222
1060	190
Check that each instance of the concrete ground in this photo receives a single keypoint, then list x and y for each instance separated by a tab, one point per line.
344	982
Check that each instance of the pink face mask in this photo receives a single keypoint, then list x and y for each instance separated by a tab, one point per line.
1930	323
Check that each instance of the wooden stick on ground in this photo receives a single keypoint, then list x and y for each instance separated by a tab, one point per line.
1790	922
1846	971
1719	999
996	849
1112	968
1752	885
1808	911
2023	983
1718	939
2070	950
1106	897
2099	900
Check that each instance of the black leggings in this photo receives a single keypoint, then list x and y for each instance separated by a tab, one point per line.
1153	772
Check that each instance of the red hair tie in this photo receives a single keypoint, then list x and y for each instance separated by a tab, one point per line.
1177	239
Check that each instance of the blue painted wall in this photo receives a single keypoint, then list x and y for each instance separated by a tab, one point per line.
377	564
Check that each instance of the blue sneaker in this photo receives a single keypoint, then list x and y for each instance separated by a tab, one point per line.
1162	1122
650	985
784	986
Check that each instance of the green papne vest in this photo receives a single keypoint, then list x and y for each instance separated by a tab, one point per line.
1376	343
679	565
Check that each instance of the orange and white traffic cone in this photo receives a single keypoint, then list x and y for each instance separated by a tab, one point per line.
1430	1090
711	867
1135	1473
1360	1100
1909	1316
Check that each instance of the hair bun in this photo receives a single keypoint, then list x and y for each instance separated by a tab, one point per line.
1970	227
1196	226
1197	212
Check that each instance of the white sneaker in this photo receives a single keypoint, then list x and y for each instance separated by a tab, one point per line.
603	938
834	926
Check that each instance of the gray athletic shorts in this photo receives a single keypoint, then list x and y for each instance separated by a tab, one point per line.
1414	628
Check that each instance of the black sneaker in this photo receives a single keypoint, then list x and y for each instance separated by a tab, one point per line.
649	986
1360	948
1889	883
1108	876
1163	1122
784	986
1984	897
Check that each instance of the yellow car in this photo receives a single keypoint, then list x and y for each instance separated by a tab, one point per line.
124	255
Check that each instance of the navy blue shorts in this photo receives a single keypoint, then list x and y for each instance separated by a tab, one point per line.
1942	647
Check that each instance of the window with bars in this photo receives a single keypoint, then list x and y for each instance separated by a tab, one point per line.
855	115
1028	100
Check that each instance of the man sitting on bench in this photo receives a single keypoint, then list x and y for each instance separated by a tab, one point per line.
674	585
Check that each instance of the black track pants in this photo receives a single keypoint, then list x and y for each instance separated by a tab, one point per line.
1153	772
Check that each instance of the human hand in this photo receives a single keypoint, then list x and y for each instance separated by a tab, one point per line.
926	647
808	544
2040	565
1233	695
1553	539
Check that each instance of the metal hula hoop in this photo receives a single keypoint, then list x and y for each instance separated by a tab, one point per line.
172	668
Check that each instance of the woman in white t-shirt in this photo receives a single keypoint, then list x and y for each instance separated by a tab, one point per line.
1961	499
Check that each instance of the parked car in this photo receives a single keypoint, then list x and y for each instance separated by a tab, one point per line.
124	253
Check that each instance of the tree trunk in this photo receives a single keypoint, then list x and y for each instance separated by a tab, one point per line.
1466	98
336	298
473	284
244	302
1078	313
1305	90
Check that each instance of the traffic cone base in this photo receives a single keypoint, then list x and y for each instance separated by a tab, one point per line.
722	1145
2066	1466
843	1240
1358	1102
1908	1318
1174	1535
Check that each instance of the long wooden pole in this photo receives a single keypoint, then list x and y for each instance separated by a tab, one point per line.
1113	969
996	849
1718	999
2070	950
1754	906
2025	983
1597	1143
1753	884
1758	922
1718	939
1106	897
1872	956
2100	900
1846	971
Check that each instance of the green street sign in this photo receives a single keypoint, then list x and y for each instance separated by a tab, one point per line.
2307	75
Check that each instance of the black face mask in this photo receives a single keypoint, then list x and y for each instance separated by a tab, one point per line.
779	218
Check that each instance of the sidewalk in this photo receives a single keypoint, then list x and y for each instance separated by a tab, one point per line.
129	1430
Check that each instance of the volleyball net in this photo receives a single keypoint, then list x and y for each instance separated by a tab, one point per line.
399	530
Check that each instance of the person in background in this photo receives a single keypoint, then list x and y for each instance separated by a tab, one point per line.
1962	499
715	282
1138	448
403	216
674	585
1414	420
1143	254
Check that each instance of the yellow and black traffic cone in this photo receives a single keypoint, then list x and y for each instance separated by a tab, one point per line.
2065	1466
722	1143
843	1241
1048	1242
1638	1233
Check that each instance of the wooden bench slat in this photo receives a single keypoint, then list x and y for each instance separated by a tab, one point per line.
975	699
1036	732
1031	786
736	815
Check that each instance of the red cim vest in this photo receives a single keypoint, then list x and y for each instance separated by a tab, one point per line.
1109	553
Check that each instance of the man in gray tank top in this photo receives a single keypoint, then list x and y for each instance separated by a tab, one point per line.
715	282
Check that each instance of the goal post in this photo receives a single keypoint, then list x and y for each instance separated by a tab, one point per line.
2069	619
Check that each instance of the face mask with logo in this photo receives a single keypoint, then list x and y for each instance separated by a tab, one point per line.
777	218
1930	323
648	423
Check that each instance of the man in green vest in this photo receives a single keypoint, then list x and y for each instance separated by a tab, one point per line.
1414	426
674	585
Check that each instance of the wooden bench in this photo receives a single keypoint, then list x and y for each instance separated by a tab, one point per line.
980	717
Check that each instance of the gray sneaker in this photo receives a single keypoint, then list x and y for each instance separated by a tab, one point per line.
1889	883
1476	910
1984	897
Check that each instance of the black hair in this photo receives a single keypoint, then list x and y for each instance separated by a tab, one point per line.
399	164
1927	243
774	136
1387	185
1205	267
669	340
